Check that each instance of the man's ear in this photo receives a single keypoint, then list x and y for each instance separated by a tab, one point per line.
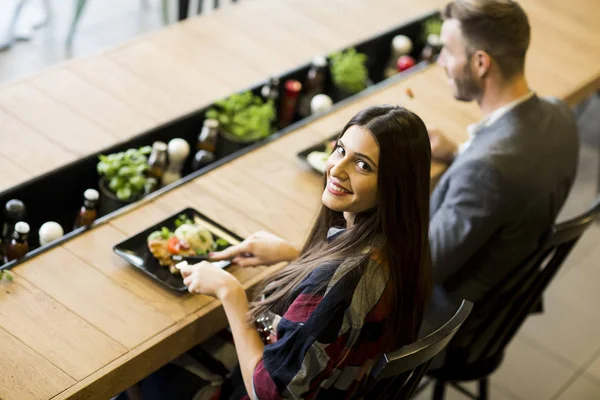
481	63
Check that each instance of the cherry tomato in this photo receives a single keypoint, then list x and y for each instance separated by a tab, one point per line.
173	245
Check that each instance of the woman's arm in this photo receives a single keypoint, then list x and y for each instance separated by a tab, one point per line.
205	278
248	344
260	248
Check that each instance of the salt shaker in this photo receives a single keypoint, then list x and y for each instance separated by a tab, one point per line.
49	232
320	103
178	150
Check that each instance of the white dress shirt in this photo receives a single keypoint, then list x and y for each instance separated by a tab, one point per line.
492	117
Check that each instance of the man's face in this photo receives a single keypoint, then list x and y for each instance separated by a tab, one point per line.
466	86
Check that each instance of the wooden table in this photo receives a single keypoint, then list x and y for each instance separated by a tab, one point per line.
78	322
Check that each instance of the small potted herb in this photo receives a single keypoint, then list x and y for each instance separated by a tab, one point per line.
123	178
349	72
243	118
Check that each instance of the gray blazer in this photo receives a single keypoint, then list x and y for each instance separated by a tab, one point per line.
501	195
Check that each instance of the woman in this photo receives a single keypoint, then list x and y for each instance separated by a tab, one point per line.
359	286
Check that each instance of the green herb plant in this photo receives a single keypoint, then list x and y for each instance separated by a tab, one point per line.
5	274
126	172
348	70
245	116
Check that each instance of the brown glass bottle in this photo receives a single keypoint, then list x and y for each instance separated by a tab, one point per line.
313	85
88	213
158	160
207	139
14	211
18	246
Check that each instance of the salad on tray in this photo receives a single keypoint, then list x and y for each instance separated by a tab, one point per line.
190	239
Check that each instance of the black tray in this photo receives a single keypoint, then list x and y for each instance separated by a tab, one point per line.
303	155
135	249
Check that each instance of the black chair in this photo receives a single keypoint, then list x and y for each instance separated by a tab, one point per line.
477	349
397	374
185	4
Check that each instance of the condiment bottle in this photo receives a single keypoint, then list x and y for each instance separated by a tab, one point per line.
270	91
179	150
207	139
313	85
18	246
88	213
289	102
201	159
14	211
432	48
49	232
157	161
401	46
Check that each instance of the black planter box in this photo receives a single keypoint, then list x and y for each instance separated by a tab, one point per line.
58	195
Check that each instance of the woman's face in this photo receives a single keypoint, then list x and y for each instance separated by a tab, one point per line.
352	172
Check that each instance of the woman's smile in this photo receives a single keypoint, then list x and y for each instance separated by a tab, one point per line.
336	189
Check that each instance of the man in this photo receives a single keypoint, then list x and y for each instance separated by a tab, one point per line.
507	183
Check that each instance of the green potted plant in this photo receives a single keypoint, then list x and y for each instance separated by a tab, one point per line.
243	118
123	178
349	72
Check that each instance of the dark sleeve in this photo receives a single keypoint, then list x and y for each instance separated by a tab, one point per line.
472	210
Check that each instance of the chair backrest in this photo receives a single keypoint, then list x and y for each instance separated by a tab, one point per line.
498	316
397	374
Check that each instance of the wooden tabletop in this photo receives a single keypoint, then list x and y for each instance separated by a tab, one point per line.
79	322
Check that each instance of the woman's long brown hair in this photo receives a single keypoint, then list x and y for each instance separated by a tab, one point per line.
397	228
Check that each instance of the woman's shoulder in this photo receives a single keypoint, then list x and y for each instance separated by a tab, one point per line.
343	278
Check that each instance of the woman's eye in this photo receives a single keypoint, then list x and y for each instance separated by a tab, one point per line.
340	150
363	165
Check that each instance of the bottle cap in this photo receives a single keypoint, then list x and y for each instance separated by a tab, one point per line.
22	227
15	209
211	123
91	195
49	232
402	44
178	148
319	61
292	86
160	146
320	102
434	40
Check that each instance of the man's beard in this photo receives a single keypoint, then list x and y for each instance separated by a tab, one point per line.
466	86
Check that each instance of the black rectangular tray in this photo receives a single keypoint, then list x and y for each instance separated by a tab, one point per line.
135	250
303	155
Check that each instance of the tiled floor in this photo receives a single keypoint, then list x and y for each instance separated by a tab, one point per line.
104	23
555	356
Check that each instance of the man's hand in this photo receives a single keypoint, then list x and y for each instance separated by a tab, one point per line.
442	148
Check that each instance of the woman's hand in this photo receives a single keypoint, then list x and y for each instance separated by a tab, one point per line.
260	248
205	278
